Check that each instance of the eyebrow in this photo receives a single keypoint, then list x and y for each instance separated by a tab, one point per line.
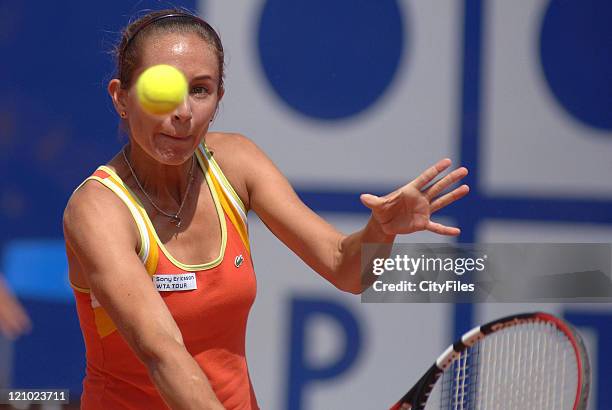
203	77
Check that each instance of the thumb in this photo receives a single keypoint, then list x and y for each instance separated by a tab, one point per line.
370	201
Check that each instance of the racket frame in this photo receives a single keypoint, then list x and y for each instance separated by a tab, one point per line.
417	396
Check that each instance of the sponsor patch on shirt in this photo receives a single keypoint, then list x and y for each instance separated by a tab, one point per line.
175	282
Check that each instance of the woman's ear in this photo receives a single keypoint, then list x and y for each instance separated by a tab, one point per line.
220	93
118	95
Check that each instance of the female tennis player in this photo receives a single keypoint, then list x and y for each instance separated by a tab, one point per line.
157	238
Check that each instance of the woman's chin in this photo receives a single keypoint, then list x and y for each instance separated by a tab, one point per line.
173	150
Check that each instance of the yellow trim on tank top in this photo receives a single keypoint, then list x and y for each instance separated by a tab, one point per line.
111	185
151	259
210	159
78	288
151	228
234	208
232	214
116	183
228	205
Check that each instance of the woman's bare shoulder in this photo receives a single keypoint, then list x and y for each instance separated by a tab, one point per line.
92	210
228	142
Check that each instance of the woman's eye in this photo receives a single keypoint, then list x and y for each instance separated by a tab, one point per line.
199	90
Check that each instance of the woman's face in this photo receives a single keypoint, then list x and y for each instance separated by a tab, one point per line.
172	138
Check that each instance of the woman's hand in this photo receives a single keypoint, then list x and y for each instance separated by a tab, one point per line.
409	208
14	320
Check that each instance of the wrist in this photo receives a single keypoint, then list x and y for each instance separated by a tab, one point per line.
374	233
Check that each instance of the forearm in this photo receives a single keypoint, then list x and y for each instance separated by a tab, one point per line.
181	381
352	269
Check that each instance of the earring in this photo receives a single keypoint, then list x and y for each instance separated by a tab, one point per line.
123	114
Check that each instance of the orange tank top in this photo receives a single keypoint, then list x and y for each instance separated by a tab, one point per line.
212	318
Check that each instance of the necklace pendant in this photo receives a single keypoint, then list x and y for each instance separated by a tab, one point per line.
175	219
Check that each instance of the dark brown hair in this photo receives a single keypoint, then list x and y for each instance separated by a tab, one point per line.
128	51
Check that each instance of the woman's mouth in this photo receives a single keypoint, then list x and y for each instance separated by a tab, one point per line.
176	136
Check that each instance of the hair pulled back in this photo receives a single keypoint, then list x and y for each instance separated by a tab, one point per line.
128	52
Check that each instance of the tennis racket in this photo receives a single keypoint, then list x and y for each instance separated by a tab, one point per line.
529	361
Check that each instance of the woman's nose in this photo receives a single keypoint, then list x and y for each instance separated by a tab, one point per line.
183	111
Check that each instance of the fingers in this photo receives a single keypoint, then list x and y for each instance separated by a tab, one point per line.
379	202
23	320
14	322
441	185
379	206
442	229
371	201
430	173
449	198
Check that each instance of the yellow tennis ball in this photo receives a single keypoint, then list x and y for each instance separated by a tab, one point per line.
161	88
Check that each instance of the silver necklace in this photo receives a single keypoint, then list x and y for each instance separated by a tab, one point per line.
174	218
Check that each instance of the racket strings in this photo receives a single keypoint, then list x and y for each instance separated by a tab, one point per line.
529	366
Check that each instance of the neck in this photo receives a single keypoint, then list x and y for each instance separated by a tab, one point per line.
165	185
